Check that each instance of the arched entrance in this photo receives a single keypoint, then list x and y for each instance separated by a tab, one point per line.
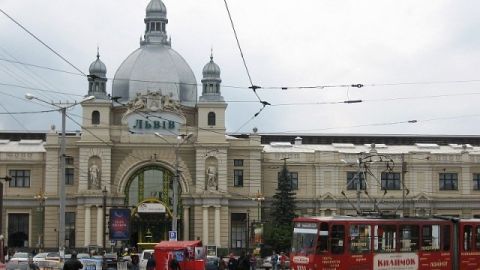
150	192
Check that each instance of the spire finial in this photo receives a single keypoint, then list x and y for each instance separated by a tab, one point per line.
98	52
211	53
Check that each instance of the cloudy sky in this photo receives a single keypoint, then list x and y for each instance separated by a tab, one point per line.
417	60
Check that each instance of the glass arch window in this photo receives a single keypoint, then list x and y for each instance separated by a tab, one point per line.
95	118
151	182
211	119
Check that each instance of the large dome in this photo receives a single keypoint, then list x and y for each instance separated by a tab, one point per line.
155	66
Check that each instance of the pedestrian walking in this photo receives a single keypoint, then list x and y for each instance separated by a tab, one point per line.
174	264
151	263
73	263
253	262
283	260
222	265
232	262
274	260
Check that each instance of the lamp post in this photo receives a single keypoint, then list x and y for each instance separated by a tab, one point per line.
41	208
2	238
62	108
182	138
259	198
104	206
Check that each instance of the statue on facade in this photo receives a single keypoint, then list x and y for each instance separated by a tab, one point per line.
135	105
212	177
94	176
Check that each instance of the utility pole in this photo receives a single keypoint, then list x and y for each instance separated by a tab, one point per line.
62	108
359	182
404	171
61	232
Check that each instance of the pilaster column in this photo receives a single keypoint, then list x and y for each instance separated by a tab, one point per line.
99	226
205	225
186	223
88	221
217	225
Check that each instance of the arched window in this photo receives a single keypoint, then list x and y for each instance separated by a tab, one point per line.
95	118
211	119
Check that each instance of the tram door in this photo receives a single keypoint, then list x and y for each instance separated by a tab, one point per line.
469	246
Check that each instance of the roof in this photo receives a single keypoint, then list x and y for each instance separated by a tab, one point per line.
177	244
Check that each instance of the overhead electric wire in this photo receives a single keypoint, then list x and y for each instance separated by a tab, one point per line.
14	118
39	89
43	43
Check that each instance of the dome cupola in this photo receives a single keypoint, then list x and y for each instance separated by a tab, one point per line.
211	70
211	82
98	68
155	66
97	79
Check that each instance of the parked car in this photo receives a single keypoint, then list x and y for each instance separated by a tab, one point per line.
144	256
53	256
20	257
40	257
267	263
110	261
83	256
212	263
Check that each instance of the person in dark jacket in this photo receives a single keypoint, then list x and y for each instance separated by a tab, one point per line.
73	263
174	264
232	263
151	263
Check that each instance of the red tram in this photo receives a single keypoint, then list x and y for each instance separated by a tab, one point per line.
365	243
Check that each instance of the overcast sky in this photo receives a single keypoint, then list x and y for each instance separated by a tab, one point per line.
418	60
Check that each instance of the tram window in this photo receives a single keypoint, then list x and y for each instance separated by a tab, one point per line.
467	237
431	237
322	243
409	238
359	238
446	238
338	239
477	239
385	238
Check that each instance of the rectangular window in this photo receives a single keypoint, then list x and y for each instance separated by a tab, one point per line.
385	238
359	238
409	238
431	237
238	162
477	240
239	230
69	176
352	181
476	181
467	237
20	178
293	179
70	229
337	246
390	181
238	178
448	181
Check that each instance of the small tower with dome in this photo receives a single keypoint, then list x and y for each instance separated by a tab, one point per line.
97	79
211	105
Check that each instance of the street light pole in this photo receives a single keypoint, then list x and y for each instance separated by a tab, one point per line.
2	238
61	196
104	206
181	139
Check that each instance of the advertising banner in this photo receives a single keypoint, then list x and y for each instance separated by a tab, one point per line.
119	224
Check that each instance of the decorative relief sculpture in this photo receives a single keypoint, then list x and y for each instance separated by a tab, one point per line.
152	102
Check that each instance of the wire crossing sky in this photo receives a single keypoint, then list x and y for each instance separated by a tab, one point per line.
414	60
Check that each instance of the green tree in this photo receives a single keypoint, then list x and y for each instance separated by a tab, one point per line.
283	212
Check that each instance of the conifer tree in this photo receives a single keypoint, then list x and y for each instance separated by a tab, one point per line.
283	212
